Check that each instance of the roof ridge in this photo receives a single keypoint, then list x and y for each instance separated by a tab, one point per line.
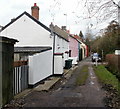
27	14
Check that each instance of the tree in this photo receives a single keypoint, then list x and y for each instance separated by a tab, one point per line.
102	10
81	34
109	41
88	38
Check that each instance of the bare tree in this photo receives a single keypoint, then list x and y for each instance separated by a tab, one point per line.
102	10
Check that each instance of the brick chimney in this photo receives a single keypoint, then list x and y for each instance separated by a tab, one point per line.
63	28
35	11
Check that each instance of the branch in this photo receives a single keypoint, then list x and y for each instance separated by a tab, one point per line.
115	4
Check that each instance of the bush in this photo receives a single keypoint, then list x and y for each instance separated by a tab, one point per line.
113	64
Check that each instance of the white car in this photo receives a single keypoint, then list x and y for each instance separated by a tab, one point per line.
95	57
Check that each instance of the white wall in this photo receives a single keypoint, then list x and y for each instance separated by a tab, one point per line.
61	46
28	33
40	66
58	64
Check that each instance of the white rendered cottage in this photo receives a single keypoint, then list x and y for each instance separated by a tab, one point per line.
32	33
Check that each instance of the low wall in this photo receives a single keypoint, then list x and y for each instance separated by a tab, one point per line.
58	64
40	66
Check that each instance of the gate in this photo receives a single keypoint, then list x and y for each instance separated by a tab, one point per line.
20	78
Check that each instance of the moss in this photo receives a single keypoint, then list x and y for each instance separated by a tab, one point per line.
82	77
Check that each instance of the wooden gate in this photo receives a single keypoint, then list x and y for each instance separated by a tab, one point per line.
20	77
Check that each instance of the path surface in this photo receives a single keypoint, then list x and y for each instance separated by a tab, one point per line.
67	94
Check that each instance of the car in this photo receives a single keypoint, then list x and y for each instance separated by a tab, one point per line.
96	57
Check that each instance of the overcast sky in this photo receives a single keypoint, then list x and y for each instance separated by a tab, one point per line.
60	12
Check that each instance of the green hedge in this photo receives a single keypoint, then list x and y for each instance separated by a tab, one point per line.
113	64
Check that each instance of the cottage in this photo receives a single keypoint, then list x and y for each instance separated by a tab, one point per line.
33	37
30	33
83	48
61	52
74	49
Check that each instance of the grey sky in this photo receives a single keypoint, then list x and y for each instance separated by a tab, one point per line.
60	12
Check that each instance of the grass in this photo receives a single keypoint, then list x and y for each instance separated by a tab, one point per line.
106	77
82	77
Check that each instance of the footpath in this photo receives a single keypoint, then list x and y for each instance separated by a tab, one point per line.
63	92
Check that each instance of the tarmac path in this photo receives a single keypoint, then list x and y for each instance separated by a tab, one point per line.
67	94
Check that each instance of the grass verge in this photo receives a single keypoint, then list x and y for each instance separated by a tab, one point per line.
112	86
107	77
82	77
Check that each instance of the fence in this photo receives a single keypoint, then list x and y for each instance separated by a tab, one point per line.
20	77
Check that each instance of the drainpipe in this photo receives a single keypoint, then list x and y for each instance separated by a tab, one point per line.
53	51
53	35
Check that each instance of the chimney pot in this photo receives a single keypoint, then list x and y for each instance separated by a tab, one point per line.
63	28
35	4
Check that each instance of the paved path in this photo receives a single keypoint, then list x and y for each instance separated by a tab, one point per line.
67	94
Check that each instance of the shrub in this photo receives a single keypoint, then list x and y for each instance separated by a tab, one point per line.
113	64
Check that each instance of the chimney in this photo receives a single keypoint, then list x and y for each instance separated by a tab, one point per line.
35	11
63	28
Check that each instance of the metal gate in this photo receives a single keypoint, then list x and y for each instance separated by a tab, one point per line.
20	79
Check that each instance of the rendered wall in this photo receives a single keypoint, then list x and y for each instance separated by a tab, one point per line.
40	66
61	46
28	32
73	46
58	64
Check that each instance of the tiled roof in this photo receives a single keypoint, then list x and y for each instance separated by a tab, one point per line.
61	32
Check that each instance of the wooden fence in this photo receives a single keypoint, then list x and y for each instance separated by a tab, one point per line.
20	76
